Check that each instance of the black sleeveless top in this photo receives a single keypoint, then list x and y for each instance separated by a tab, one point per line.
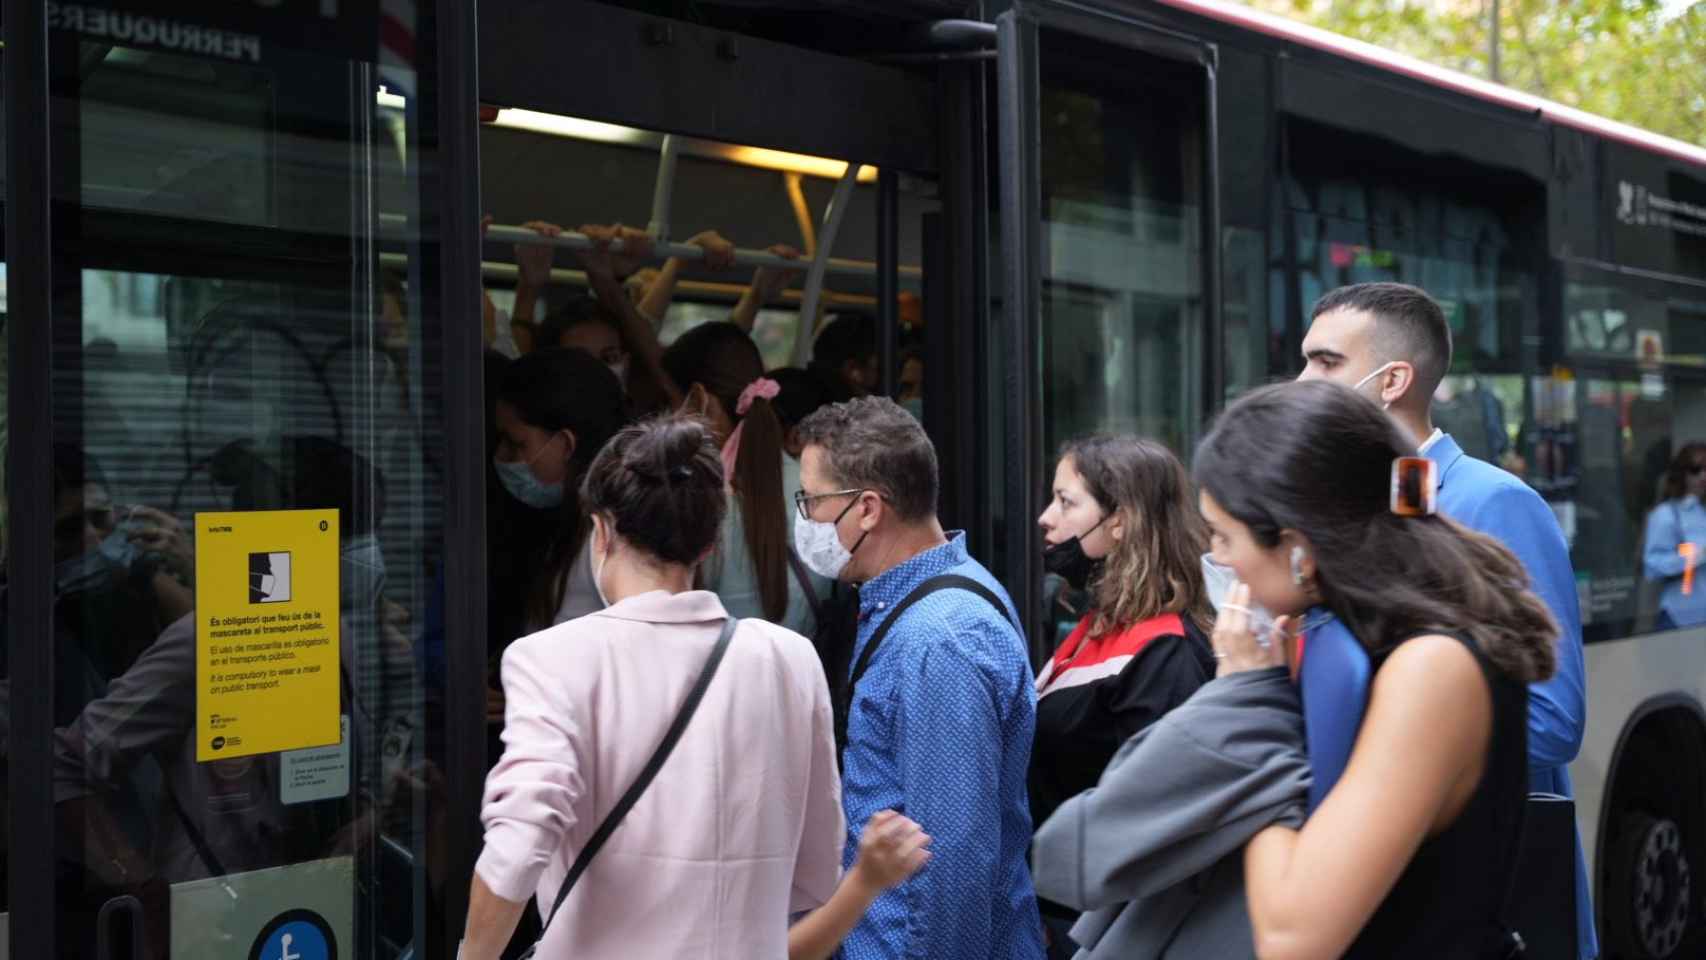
1448	901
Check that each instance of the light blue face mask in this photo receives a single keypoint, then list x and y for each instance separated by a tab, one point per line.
518	478
94	568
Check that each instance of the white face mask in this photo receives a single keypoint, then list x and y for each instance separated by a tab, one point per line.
1218	580
598	560
1377	372
819	545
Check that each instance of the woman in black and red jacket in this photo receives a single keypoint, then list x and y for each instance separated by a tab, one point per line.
1123	526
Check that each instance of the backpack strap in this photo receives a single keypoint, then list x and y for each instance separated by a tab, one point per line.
613	819
947	581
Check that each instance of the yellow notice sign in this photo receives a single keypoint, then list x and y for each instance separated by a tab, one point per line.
266	632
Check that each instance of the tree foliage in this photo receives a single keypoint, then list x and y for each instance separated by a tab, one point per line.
1639	61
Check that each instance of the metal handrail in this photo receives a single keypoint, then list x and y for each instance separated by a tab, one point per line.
806	333
569	240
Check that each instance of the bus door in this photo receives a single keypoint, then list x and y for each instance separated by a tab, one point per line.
224	468
792	192
1110	306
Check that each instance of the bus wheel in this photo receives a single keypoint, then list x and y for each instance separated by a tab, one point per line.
1650	889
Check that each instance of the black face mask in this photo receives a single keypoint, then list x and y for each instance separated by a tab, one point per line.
1068	561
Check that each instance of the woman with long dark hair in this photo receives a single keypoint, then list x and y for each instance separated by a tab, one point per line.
1675	541
1122	526
1411	853
721	373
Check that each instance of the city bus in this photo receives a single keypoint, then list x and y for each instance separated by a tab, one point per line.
246	272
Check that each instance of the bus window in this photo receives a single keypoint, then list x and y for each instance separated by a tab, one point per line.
1642	398
1122	315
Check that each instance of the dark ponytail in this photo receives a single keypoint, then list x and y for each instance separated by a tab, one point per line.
660	484
722	359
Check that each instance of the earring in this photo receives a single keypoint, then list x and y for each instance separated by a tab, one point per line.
1297	566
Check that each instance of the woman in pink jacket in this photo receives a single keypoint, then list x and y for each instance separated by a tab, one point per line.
742	827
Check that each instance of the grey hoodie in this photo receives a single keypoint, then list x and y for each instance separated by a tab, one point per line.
1154	853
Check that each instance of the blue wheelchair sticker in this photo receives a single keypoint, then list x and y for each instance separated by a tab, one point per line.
296	935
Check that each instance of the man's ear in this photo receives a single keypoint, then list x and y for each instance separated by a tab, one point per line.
570	443
1403	375
872	508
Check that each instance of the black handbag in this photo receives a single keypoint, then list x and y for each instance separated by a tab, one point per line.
614	818
1537	920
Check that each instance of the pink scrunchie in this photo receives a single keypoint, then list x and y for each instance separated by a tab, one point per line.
762	388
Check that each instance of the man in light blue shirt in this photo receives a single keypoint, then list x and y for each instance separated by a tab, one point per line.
939	707
1391	342
1676	540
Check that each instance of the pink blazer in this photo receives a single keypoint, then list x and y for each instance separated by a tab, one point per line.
743	825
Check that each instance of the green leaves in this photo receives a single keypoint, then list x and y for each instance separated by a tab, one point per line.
1639	61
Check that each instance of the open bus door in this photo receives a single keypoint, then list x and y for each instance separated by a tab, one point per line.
1110	308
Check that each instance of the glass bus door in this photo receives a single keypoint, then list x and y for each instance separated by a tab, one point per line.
244	475
1110	311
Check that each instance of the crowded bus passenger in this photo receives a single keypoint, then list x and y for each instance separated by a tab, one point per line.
909	385
555	410
1413	851
938	714
584	324
801	394
1122	526
1391	343
1676	538
708	865
718	368
845	357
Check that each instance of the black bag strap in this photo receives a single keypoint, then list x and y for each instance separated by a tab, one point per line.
805	581
947	581
613	819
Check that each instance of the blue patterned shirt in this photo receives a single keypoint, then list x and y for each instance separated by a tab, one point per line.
940	729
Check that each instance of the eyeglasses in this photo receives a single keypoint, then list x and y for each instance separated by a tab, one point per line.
804	500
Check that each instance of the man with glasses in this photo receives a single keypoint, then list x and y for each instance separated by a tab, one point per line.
937	712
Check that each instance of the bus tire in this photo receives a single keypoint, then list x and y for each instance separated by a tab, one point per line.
1649	890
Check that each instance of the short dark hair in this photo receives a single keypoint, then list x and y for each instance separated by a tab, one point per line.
660	485
872	443
1409	325
802	394
850	337
577	312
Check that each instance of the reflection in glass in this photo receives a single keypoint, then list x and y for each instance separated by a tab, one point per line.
259	362
1121	186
